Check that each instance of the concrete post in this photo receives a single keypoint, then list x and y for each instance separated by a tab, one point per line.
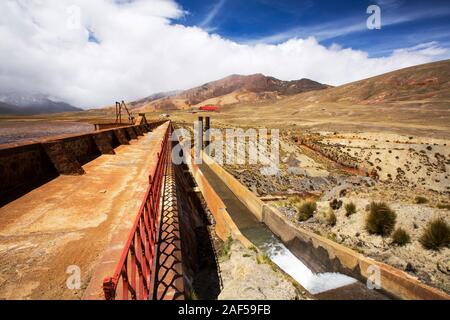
200	132
207	134
198	143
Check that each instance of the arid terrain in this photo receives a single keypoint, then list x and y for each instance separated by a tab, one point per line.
384	139
412	173
362	168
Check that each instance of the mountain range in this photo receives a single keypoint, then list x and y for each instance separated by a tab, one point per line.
415	97
415	86
32	104
426	83
227	91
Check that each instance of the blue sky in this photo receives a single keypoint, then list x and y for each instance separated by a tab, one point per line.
405	23
90	53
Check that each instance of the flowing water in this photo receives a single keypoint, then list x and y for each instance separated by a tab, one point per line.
314	283
261	236
313	275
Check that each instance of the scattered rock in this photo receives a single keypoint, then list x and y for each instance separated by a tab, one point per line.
444	266
424	277
410	268
244	278
336	204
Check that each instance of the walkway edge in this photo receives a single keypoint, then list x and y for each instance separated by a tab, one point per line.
112	253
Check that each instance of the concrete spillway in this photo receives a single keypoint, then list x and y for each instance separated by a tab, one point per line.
275	249
317	280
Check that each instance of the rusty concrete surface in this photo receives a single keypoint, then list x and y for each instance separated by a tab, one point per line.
70	221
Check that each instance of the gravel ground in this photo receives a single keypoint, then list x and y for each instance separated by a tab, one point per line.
245	277
310	180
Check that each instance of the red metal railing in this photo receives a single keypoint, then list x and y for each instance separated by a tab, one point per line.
133	274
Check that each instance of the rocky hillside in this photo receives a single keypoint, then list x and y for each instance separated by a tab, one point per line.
231	90
256	83
427	83
153	97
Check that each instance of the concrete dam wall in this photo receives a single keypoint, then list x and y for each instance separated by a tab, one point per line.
25	166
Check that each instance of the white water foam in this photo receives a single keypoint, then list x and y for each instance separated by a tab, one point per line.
314	283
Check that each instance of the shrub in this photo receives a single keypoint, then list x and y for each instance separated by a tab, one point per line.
226	249
331	218
421	200
332	236
443	206
400	237
306	210
436	235
381	219
192	295
350	208
294	200
264	259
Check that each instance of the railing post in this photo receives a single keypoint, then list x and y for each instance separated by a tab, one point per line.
108	288
207	134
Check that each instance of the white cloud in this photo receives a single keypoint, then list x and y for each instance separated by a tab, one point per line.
140	52
389	3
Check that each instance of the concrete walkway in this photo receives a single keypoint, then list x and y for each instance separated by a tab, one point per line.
68	222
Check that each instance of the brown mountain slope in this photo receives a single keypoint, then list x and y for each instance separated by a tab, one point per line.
256	83
414	100
153	97
231	90
423	83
